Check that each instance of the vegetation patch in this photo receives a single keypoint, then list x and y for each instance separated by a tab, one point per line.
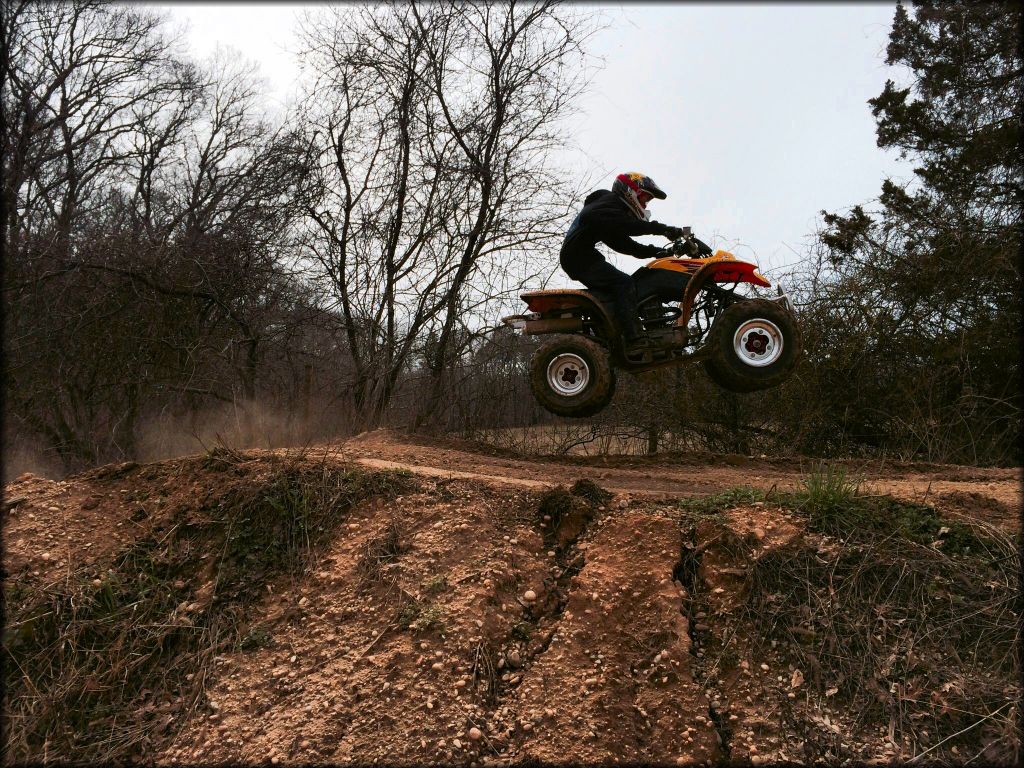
591	491
555	504
901	634
564	515
428	617
714	504
895	614
98	668
381	551
221	457
833	504
257	637
436	584
521	631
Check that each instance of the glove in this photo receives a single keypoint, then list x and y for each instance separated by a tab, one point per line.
703	249
672	233
683	248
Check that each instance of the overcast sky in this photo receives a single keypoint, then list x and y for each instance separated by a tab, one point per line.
751	118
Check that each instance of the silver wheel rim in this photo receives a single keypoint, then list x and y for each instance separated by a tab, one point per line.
758	342
568	374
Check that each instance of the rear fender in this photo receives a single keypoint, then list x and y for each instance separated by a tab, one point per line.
551	304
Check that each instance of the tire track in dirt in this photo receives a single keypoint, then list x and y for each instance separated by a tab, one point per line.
451	474
994	495
542	475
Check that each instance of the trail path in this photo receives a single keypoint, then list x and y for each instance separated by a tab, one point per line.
993	494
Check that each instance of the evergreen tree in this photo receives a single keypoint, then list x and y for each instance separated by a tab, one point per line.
918	337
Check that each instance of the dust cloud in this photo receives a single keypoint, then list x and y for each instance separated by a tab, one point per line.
241	425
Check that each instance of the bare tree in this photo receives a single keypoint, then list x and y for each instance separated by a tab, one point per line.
148	206
434	127
80	78
502	108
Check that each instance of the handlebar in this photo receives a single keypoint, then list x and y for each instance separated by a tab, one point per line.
688	245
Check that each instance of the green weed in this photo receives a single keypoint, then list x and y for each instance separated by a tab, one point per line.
257	637
407	613
714	504
436	584
834	505
827	488
431	617
521	631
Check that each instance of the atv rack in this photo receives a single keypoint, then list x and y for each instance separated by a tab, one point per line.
518	322
532	324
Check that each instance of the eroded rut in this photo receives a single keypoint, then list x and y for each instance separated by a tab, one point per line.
686	574
616	682
568	638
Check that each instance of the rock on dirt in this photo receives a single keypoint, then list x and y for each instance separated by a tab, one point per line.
609	705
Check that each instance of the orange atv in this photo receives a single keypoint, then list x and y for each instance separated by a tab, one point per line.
745	344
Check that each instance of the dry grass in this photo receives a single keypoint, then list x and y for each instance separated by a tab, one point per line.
379	552
899	615
99	669
904	633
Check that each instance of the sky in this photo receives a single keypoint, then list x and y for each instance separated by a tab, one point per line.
752	118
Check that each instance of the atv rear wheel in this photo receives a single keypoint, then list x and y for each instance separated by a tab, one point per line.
572	376
753	345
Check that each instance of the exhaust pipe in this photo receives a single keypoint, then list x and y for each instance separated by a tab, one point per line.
554	325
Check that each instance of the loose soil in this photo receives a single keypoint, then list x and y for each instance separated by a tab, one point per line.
511	620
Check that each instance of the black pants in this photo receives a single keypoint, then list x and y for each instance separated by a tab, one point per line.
602	276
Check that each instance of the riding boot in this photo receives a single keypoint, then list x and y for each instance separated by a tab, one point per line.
625	311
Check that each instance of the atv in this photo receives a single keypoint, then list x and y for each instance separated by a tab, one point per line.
745	344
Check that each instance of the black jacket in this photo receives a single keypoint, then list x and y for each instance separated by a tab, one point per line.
605	218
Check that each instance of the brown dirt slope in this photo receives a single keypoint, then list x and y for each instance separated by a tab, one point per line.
489	615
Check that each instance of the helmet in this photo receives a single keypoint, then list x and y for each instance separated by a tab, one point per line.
636	189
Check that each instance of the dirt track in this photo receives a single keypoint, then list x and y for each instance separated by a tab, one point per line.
500	630
994	495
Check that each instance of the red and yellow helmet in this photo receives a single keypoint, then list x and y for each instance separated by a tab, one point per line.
637	190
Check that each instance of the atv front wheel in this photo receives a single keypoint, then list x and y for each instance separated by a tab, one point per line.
572	376
753	345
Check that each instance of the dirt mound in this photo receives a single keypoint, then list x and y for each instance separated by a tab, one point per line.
131	625
296	608
974	505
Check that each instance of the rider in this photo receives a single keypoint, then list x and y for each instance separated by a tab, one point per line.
611	217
